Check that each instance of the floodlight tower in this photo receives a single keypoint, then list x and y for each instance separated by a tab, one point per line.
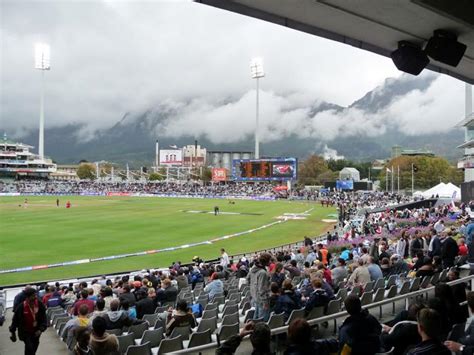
42	62
256	69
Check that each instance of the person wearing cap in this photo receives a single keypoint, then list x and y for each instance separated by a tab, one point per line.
30	321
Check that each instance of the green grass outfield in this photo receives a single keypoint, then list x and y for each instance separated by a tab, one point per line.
103	226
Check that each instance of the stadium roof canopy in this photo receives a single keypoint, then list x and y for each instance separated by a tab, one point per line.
373	25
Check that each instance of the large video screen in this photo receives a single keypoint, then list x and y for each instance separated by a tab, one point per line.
277	169
344	184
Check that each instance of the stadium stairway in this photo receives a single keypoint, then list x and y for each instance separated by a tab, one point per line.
49	341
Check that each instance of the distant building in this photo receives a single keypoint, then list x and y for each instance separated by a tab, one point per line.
223	159
194	156
378	164
65	172
467	161
349	174
398	151
16	161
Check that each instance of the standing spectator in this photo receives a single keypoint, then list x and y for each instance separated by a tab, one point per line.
323	254
401	245
416	245
434	248
429	328
259	281
224	258
439	226
30	320
360	332
449	250
182	280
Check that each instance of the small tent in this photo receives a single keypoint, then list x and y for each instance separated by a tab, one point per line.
443	190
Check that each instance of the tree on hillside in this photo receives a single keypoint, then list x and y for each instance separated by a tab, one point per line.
156	177
206	175
105	169
310	169
338	165
430	171
86	172
327	176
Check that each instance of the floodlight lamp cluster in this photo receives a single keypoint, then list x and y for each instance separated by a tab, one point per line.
442	47
42	56
256	68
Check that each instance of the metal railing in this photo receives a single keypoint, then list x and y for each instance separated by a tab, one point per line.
12	290
335	316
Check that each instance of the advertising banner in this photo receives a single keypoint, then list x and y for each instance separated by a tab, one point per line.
172	157
219	174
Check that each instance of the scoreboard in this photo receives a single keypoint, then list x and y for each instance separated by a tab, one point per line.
278	169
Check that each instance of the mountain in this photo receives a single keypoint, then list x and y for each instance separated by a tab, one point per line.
132	138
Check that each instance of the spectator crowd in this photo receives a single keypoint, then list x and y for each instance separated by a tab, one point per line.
389	248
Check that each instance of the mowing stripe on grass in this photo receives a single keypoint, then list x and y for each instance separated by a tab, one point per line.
113	257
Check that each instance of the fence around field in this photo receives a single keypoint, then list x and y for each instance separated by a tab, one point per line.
313	322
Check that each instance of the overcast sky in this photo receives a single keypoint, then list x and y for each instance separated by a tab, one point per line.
113	57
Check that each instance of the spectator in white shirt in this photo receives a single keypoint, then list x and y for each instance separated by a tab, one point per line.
224	258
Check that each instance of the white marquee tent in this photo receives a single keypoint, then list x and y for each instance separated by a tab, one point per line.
443	190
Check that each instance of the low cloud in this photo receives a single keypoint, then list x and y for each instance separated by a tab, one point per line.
434	110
